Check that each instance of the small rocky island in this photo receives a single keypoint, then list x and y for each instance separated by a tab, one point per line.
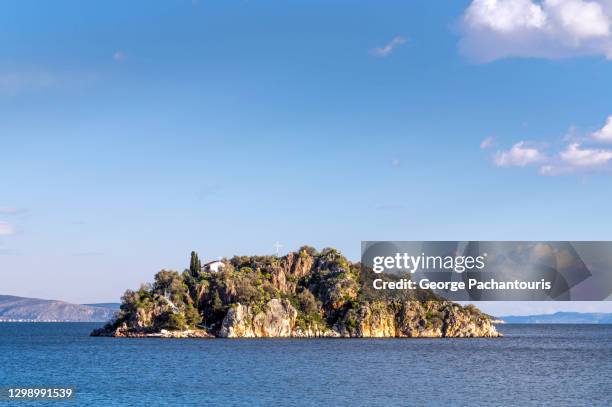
305	294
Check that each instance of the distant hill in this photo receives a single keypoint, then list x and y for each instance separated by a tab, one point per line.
36	310
560	318
112	305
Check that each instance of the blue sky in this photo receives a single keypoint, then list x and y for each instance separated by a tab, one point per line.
134	132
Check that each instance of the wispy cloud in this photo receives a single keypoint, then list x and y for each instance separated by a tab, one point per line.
576	158
520	155
494	29
579	154
486	143
388	48
9	210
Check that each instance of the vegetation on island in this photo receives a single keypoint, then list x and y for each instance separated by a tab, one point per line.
324	289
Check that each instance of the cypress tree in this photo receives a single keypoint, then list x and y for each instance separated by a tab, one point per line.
195	265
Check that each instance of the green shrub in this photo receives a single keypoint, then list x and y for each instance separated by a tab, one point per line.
176	322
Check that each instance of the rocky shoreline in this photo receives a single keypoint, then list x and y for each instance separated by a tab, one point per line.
186	334
278	320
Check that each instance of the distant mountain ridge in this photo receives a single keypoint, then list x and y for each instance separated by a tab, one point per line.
13	308
560	318
21	309
112	305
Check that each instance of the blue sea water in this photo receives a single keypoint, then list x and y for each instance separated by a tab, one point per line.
552	365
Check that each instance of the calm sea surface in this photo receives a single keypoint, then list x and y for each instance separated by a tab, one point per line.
555	365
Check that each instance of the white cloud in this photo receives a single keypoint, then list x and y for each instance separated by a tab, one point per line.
580	154
486	143
6	229
8	210
520	155
119	56
389	48
395	162
605	133
504	16
580	19
494	29
576	156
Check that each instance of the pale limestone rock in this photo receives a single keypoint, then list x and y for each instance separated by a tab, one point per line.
376	321
277	319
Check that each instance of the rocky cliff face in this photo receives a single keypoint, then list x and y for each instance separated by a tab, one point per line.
304	295
275	320
372	320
